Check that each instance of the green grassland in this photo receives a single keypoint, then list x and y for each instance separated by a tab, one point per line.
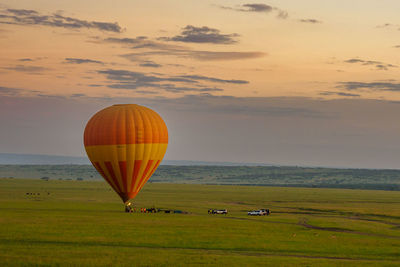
229	175
83	223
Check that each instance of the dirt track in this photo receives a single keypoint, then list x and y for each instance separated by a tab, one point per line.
304	222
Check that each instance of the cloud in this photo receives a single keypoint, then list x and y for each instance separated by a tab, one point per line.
329	93
17	92
124	79
378	64
25	59
182	89
258	8
213	55
8	91
125	75
197	54
211	79
139	42
28	69
147	92
311	21
129	41
373	86
363	62
32	17
23	12
140	77
82	61
166	87
282	14
150	64
193	34
31	59
389	26
157	45
77	95
386	25
151	48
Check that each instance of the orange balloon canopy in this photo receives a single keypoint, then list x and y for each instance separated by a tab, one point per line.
126	143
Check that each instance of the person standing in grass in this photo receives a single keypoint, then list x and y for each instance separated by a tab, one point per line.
128	207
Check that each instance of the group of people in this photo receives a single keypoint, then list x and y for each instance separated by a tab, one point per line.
130	209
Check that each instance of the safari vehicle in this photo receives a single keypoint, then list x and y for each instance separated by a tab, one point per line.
261	212
211	211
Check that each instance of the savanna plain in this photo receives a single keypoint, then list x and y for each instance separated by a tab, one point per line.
64	223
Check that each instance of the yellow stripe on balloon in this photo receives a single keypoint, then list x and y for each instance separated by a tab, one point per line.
125	152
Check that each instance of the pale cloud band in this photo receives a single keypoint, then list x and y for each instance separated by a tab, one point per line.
289	130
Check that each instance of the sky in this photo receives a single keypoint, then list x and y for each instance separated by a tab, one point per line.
288	82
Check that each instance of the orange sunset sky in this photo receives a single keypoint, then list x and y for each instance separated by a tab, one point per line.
282	81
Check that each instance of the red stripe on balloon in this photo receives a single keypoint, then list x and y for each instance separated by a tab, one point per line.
155	167
112	174
149	163
152	171
145	176
101	171
136	170
122	169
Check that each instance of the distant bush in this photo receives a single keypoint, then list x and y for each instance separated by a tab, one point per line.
45	178
79	179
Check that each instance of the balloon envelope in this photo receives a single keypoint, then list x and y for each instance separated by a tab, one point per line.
126	143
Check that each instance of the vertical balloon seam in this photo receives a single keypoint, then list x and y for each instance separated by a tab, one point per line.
121	143
137	148
149	156
146	152
115	116
134	149
129	122
157	123
135	162
126	115
114	152
155	148
158	154
139	151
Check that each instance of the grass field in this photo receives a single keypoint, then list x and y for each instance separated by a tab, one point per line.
82	223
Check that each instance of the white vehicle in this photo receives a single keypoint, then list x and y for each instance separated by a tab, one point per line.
261	212
218	211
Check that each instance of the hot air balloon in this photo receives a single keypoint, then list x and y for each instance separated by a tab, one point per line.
126	143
